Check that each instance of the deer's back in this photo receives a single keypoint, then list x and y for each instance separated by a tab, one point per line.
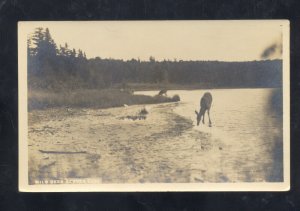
206	100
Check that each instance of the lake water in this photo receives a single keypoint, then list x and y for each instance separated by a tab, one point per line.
243	120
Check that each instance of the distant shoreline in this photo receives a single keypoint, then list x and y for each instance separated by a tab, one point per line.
109	98
157	87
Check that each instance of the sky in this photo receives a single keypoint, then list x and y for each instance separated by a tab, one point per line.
180	40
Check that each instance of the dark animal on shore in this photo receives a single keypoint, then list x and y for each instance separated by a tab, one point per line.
205	104
162	92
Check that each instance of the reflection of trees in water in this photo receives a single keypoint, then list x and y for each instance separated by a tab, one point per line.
276	103
276	113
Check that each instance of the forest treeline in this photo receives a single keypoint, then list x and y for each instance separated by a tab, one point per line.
61	67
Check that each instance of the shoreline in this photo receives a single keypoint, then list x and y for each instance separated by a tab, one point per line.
129	145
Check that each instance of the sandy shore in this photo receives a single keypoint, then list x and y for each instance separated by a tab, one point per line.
103	143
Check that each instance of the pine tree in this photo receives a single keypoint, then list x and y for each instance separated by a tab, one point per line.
30	50
50	44
80	54
73	53
67	50
62	51
152	59
37	39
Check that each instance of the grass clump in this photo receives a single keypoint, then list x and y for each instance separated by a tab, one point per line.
143	111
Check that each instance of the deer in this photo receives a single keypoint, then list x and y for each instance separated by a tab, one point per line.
162	92
205	104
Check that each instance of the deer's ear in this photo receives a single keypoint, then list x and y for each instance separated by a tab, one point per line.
196	112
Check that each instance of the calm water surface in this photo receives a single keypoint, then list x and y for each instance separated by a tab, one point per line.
243	121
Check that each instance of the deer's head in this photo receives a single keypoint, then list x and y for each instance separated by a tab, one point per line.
198	117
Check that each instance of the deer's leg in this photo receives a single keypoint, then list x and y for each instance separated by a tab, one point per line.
209	117
203	117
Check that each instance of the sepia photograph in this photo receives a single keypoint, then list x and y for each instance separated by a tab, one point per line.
154	106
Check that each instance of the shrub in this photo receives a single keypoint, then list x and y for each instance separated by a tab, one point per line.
176	98
144	111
